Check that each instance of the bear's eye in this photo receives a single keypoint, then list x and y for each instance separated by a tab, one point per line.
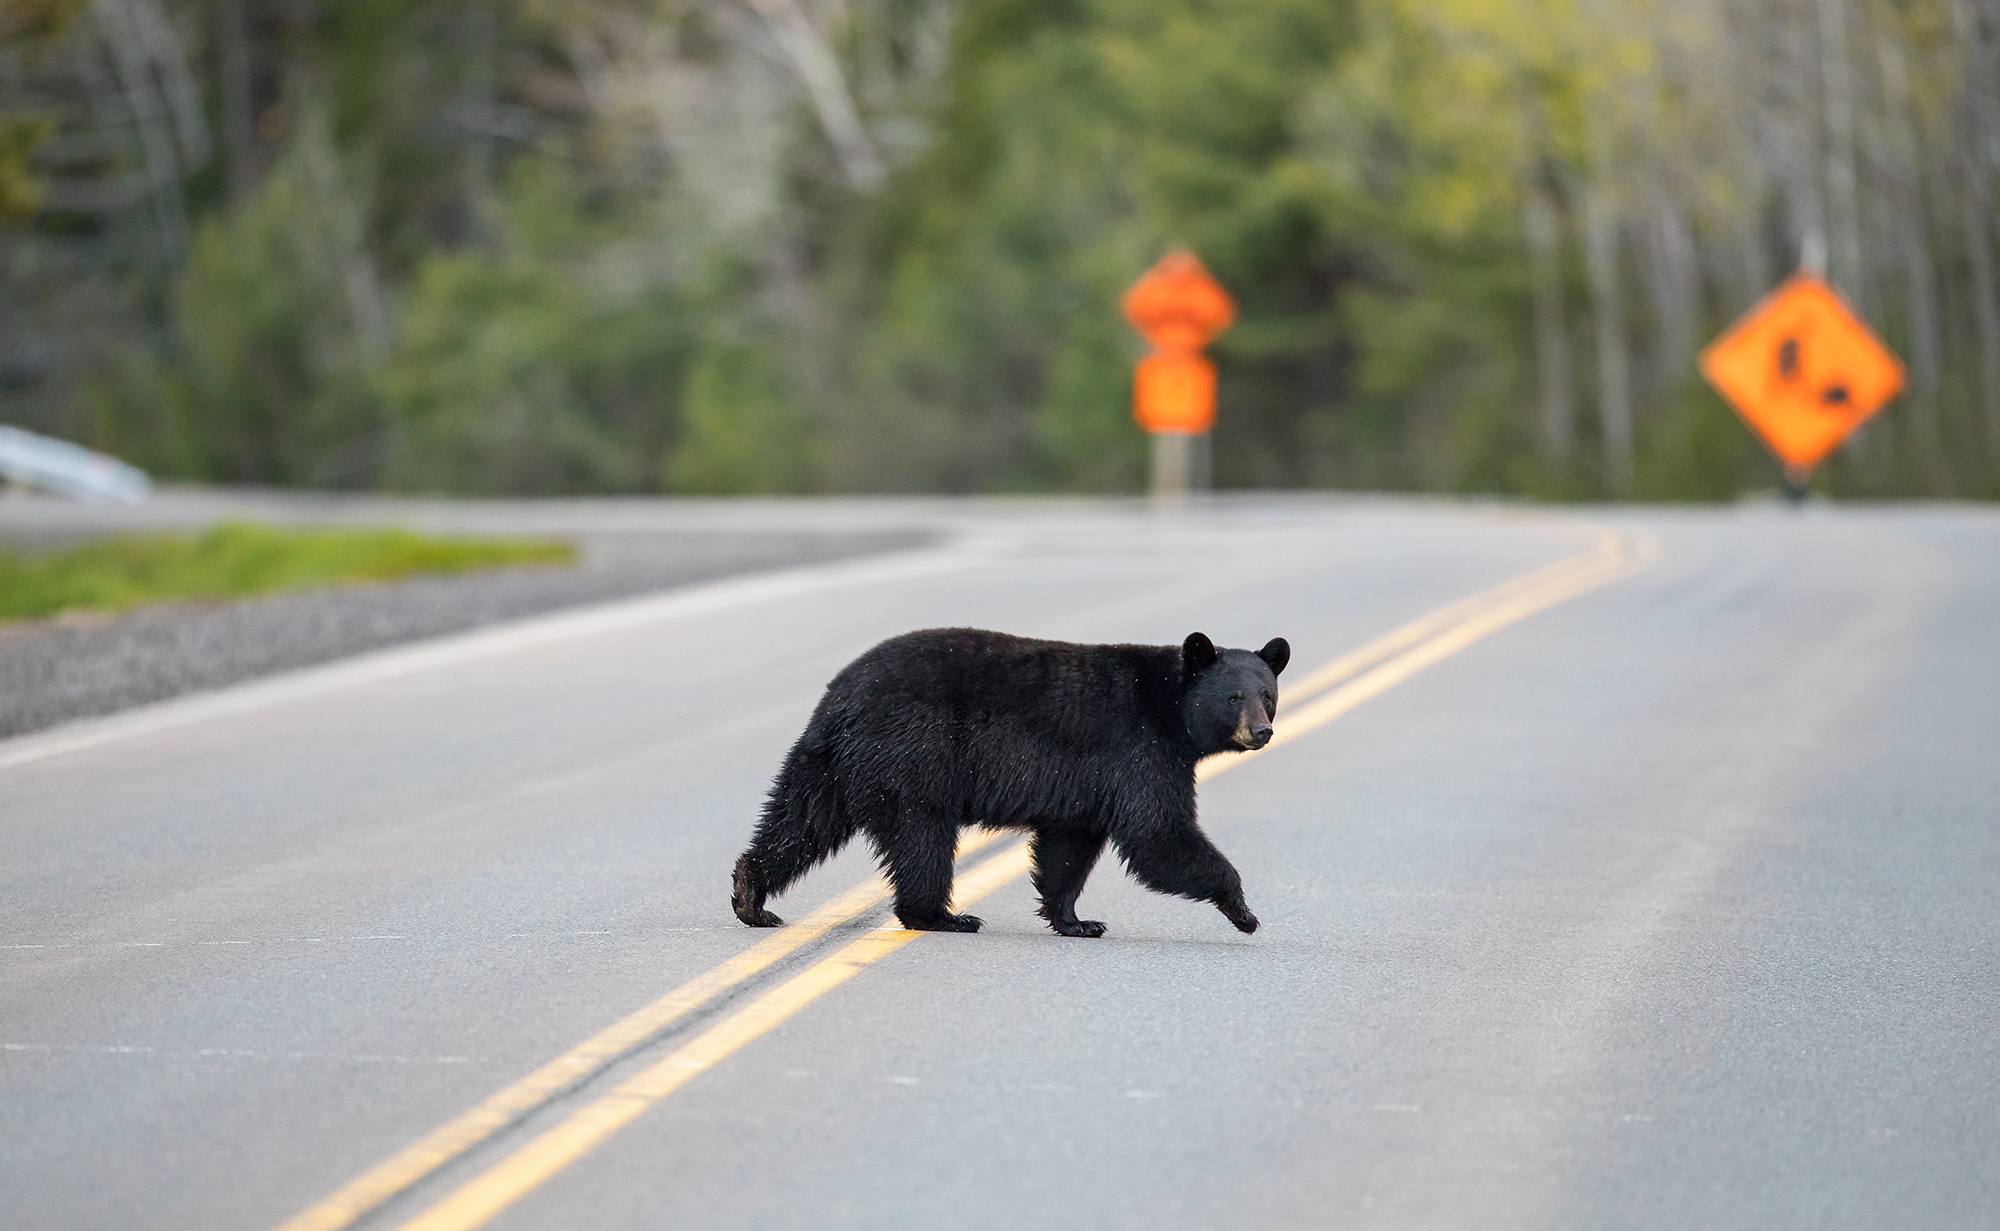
1236	698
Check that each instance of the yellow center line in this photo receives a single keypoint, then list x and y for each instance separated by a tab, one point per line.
1614	557
1610	543
1369	671
349	1203
500	1186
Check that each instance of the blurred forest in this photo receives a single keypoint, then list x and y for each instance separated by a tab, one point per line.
713	246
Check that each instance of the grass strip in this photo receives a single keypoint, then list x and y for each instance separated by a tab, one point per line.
238	559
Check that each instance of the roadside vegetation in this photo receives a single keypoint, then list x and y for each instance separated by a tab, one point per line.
520	247
240	559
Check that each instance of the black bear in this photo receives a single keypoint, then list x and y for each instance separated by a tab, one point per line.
1076	744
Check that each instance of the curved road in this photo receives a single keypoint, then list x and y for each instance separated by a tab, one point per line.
1671	903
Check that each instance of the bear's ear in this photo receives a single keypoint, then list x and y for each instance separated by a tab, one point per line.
1197	654
1276	653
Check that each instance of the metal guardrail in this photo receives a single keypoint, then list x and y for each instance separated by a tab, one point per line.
68	469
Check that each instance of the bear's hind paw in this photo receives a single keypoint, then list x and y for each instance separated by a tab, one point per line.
944	923
760	918
1091	928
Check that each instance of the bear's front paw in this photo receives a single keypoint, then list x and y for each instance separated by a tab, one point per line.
759	918
944	923
1240	916
1079	927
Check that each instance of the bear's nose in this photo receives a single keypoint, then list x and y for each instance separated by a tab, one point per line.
1260	735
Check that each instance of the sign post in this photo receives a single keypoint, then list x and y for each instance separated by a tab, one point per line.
1803	371
1178	308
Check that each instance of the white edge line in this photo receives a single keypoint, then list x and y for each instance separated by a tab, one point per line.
470	646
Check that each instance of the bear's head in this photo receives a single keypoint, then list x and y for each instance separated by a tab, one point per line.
1228	697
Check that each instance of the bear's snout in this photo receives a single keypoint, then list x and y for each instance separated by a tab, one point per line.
1250	736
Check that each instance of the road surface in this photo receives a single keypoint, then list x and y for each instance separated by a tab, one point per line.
1670	902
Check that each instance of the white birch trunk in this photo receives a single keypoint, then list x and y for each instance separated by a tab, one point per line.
1978	223
1558	424
341	224
1675	283
1906	221
1842	194
126	39
826	85
239	138
1600	255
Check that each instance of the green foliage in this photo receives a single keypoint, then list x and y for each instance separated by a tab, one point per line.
20	191
522	247
1700	450
1422	149
740	428
487	392
34	22
557	359
236	559
1080	141
985	265
27	26
267	380
548	362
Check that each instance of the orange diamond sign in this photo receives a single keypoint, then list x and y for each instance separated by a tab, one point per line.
1803	370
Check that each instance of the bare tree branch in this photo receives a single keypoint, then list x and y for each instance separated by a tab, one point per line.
813	59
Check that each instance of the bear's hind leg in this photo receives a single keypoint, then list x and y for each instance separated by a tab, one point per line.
747	894
1063	859
918	858
804	823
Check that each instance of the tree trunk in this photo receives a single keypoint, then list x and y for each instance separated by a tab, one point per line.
1907	222
479	96
1804	170
812	57
1978	235
1979	249
366	305
131	64
239	130
1675	283
1551	331
1600	255
1843	200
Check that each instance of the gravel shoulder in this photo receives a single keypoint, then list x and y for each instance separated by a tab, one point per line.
79	666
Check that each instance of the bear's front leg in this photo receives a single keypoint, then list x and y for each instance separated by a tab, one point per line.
1238	913
1181	860
1063	859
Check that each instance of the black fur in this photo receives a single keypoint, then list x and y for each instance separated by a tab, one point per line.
1077	744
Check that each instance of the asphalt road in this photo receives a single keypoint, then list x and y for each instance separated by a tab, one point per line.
1673	905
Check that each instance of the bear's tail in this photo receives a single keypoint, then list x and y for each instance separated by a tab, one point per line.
805	822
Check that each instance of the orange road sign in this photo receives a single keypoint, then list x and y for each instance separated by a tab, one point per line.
1178	307
1174	392
1803	370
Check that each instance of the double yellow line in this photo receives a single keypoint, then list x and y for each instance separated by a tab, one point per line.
1312	702
1382	664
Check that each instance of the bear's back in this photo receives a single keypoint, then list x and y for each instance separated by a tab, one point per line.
973	685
